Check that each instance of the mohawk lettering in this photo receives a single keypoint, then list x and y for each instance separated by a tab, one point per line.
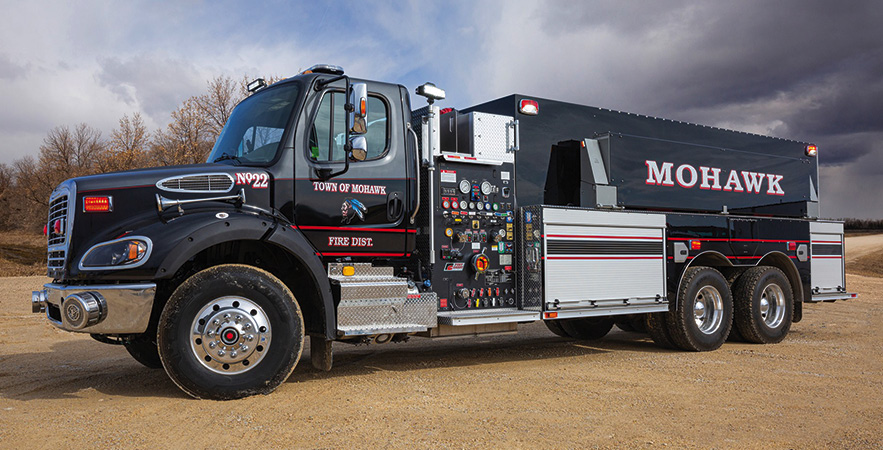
658	176
753	181
709	178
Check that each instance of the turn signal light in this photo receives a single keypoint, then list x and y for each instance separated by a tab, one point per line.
811	150
529	107
348	271
695	245
97	204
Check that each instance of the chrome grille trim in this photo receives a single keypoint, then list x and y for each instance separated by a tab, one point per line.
61	206
198	183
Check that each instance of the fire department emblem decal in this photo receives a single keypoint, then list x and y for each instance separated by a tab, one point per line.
351	208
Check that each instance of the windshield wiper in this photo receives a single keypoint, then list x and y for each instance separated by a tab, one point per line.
227	156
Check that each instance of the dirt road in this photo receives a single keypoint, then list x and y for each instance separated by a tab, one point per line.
820	388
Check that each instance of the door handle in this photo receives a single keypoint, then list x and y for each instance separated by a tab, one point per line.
395	206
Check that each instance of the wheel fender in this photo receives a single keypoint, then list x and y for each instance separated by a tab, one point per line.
295	243
234	227
709	258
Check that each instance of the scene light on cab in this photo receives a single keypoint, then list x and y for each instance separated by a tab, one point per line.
431	92
812	150
98	204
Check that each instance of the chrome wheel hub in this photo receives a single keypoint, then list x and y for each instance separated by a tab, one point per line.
772	305
708	307
230	335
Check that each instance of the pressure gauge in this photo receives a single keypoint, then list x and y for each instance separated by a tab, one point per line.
465	186
485	188
480	206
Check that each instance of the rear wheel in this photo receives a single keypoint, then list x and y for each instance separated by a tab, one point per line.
230	331
555	327
657	328
589	328
764	305
703	316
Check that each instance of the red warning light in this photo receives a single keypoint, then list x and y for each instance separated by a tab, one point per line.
695	245
529	107
812	150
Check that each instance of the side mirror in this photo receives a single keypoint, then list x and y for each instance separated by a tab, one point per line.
360	148
357	120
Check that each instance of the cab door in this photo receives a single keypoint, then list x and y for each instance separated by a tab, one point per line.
362	212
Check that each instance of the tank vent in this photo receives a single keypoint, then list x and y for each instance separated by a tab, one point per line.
201	183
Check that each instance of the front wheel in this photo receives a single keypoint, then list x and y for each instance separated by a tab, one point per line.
230	331
142	347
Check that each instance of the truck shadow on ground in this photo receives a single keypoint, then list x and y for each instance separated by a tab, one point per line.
82	369
419	353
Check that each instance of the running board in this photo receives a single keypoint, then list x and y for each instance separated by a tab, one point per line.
481	317
833	297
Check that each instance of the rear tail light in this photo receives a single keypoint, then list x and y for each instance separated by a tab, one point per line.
98	204
529	107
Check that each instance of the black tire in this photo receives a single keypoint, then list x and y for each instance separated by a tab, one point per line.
763	305
633	325
142	347
657	328
626	326
555	327
703	291
587	329
230	331
732	274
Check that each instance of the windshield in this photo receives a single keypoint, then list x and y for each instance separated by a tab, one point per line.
254	131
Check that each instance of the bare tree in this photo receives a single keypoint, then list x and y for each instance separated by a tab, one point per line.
217	105
128	145
67	153
187	140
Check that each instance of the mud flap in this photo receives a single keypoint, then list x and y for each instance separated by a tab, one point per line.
320	353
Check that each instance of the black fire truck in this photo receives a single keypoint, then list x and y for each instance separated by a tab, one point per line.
329	208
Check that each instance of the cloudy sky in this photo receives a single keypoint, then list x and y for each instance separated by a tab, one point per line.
805	70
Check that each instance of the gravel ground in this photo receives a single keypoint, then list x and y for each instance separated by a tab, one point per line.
817	389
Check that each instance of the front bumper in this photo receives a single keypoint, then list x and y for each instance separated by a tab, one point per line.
98	309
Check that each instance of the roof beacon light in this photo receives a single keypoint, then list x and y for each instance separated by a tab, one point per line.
256	85
812	150
324	68
529	107
431	92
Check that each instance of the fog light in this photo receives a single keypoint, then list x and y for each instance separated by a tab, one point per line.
83	309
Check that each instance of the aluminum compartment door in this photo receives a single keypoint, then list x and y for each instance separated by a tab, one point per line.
827	265
604	260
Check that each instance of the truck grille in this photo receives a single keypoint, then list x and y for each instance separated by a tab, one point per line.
59	219
209	182
57	211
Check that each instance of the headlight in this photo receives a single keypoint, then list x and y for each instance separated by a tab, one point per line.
123	253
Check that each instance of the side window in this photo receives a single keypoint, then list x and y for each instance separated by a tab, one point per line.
328	132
